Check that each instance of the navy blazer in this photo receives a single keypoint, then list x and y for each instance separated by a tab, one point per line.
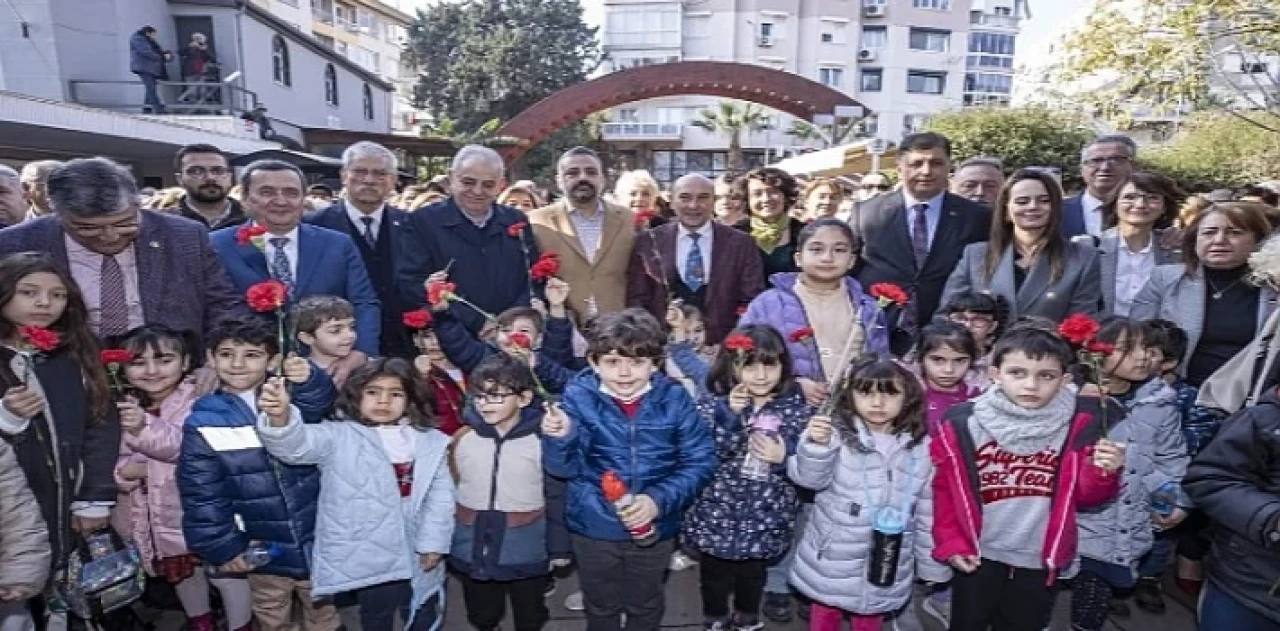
489	266
381	263
1073	217
328	264
181	282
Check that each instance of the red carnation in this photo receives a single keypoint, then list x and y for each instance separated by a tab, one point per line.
801	334
520	340
889	293
1078	329
40	338
115	356
739	343
417	319
545	268
248	233
644	218
268	295
440	292
516	229
1100	348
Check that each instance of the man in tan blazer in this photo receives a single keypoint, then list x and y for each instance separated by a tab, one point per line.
593	238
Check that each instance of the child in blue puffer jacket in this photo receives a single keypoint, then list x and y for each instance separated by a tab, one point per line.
234	493
622	416
745	518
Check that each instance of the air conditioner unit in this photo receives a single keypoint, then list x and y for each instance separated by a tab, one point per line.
867	54
873	11
766	41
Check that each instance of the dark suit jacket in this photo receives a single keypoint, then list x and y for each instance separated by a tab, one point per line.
489	266
380	263
1073	217
737	275
886	251
328	264
181	282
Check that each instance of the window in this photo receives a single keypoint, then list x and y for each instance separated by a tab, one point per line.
1004	11
330	85
926	82
1253	67
936	5
831	77
324	39
368	102
628	115
988	83
280	62
929	40
875	37
991	43
914	123
871	79
766	29
870	125
833	33
641	25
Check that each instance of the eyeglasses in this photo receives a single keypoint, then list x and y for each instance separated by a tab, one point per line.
1101	160
209	171
362	173
493	398
875	187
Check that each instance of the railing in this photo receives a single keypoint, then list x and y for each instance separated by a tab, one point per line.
323	16
638	131
178	97
995	21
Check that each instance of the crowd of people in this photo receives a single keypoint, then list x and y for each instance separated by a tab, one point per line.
966	395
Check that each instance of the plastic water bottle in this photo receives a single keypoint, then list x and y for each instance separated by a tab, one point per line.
887	528
754	468
259	554
1165	499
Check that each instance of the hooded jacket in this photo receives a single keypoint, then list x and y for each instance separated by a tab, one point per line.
1120	532
1077	483
24	540
665	452
781	308
1236	481
225	473
514	526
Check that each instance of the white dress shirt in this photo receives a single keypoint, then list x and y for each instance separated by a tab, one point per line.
356	219
684	244
932	215
290	250
1092	207
1133	270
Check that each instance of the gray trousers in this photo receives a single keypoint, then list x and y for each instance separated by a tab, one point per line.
620	577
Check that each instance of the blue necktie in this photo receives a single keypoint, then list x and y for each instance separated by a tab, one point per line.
695	273
280	263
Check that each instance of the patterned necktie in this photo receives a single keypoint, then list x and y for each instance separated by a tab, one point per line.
920	234
280	262
113	306
369	236
695	273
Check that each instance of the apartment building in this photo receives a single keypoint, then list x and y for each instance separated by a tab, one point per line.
370	33
903	59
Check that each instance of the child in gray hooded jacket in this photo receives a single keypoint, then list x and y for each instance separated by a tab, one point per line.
1115	535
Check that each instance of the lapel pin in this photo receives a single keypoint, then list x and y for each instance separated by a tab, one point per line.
154	244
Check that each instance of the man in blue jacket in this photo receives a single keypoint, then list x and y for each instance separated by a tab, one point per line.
310	260
147	59
234	493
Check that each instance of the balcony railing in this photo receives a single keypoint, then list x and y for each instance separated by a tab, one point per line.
994	21
642	131
178	97
321	15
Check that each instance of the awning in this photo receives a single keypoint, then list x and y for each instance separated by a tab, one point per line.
317	137
850	159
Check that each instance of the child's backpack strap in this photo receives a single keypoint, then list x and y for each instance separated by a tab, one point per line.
453	448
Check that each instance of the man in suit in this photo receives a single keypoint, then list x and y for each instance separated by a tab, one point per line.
701	262
13	208
133	267
204	174
369	177
1105	164
915	236
470	235
592	237
979	180
308	259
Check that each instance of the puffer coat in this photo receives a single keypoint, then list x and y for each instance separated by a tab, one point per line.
24	539
736	518
1119	532
665	452
832	556
362	536
155	509
781	308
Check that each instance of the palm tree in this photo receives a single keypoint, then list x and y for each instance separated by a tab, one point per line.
730	119
839	133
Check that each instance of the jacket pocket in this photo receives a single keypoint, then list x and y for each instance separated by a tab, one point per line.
462	546
525	544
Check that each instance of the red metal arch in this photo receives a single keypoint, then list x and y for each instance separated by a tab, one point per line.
779	90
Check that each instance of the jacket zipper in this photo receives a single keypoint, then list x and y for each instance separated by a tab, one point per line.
493	490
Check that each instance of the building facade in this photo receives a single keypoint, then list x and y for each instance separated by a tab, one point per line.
370	33
903	59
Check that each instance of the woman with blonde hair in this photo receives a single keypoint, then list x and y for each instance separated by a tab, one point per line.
821	197
637	190
166	199
522	196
